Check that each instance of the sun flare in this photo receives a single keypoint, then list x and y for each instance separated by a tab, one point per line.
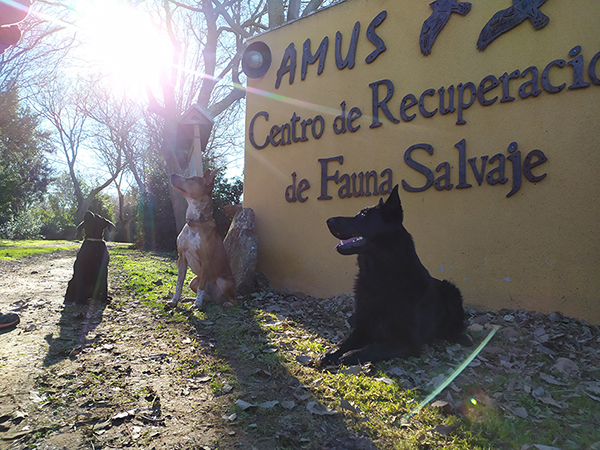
124	41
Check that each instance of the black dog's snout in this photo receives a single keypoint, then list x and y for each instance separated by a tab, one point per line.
333	223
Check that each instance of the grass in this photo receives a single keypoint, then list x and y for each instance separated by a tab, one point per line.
21	249
4	243
151	278
253	356
481	424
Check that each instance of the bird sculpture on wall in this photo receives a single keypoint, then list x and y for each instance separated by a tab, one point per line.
442	9
507	19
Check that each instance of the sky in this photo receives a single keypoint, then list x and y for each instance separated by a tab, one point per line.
131	49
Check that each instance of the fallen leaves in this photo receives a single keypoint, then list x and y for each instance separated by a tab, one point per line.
35	397
531	372
288	404
244	405
320	409
229	417
517	411
124	414
269	404
566	366
345	404
544	396
444	430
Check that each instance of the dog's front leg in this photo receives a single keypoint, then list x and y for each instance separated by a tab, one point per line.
181	272
201	288
199	299
377	352
355	340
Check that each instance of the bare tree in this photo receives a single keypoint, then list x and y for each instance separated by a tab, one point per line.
277	8
66	106
118	131
208	38
34	60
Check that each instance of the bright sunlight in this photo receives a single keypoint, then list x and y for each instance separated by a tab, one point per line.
124	41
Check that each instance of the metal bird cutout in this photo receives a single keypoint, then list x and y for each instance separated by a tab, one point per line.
438	19
507	19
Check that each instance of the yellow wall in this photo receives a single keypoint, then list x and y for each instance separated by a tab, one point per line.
538	249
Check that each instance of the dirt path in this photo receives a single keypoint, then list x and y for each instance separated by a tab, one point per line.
125	375
34	288
61	369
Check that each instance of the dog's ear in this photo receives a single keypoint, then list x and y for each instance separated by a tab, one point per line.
108	224
79	229
392	207
209	179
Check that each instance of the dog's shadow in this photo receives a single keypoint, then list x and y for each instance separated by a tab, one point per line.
76	323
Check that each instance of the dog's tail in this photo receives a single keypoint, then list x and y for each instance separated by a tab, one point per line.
451	325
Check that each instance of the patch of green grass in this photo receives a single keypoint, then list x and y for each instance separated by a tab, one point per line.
150	278
22	249
5	243
309	346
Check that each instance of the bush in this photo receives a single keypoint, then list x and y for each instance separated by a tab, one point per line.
226	192
156	229
25	225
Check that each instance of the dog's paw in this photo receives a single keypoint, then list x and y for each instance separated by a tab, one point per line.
170	305
197	305
465	340
328	359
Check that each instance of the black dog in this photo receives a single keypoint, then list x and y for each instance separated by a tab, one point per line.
90	270
398	305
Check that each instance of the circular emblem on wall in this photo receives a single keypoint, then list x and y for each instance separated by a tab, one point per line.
256	59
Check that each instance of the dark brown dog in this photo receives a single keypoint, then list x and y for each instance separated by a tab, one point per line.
90	271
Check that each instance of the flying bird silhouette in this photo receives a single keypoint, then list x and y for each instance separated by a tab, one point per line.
507	19
438	19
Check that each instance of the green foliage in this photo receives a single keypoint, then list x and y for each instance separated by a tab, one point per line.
226	192
24	168
102	204
156	221
25	224
59	208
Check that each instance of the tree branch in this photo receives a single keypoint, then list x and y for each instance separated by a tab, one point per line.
235	27
312	6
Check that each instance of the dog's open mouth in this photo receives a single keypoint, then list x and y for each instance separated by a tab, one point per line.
347	245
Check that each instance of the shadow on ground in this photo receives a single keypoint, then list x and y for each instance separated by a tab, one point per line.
75	324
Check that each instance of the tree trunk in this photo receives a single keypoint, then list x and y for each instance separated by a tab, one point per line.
276	13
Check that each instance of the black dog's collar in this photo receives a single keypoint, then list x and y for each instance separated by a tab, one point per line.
94	239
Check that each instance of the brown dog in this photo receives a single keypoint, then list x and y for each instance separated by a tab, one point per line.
199	246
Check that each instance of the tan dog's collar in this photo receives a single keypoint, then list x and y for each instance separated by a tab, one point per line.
199	220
